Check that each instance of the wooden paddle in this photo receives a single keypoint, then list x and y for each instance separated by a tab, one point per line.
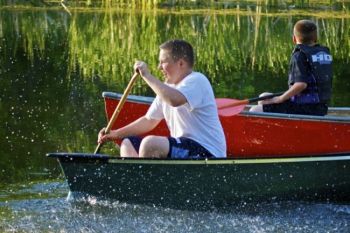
230	107
118	108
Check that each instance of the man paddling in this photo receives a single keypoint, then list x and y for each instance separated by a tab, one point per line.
185	100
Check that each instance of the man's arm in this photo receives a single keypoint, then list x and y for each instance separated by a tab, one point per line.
138	127
168	94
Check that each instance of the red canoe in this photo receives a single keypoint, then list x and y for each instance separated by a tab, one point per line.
253	135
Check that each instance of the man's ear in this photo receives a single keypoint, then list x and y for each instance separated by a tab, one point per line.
294	39
181	62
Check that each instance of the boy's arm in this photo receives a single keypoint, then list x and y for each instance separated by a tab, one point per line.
138	127
295	89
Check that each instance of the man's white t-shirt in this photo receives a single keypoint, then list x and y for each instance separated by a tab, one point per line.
197	119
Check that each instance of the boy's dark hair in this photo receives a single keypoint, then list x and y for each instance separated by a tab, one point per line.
306	31
179	49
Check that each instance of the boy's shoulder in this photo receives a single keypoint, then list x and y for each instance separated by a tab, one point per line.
316	53
302	51
310	49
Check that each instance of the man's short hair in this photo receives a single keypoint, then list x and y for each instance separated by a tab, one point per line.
305	31
179	49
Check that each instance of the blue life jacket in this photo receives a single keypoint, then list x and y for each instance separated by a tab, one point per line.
320	62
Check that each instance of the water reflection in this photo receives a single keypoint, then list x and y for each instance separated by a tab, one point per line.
54	67
41	108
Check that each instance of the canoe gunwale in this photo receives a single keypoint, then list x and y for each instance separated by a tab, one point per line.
86	157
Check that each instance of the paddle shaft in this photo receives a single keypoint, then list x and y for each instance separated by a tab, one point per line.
118	108
252	100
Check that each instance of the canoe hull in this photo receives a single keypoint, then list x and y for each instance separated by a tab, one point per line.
204	183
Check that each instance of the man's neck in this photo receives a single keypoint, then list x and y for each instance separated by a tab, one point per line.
182	76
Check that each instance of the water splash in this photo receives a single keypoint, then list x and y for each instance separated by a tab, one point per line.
45	213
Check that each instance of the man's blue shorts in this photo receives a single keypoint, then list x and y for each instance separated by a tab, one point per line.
180	148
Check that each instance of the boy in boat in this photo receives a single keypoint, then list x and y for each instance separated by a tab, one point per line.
310	77
185	100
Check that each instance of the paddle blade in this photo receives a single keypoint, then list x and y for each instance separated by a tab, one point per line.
230	107
231	111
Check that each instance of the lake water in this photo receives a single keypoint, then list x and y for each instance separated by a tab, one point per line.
54	67
42	207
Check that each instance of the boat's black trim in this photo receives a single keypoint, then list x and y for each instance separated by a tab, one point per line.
79	156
